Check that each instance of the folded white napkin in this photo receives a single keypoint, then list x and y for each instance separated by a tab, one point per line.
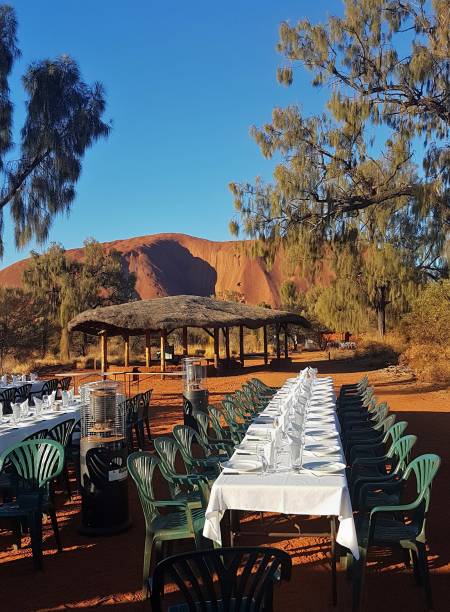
24	378
38	402
24	407
71	393
52	397
14	379
4	379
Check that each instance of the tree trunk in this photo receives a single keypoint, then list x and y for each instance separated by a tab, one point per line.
380	308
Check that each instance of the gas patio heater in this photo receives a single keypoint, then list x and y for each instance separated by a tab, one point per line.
195	396
103	460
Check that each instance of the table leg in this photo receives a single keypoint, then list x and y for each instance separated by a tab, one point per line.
235	525
333	559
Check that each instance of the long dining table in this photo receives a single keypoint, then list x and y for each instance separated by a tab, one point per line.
307	475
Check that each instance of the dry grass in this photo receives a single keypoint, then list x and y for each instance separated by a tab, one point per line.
429	363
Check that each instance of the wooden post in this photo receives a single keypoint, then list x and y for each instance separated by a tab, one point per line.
286	348
226	333
185	341
126	351
216	347
104	351
278	341
148	350
163	350
266	356
241	345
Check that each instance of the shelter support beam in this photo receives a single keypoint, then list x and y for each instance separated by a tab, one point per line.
163	349
266	355
148	351
216	347
278	341
241	345
286	338
126	351
226	333
185	341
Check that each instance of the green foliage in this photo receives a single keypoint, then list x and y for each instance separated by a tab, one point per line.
429	320
340	191
20	326
62	287
63	119
289	295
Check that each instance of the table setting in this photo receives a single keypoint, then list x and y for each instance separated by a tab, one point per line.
290	461
44	414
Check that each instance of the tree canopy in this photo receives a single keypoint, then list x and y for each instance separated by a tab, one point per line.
347	183
63	119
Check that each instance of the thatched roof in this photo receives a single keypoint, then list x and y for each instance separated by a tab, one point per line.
135	318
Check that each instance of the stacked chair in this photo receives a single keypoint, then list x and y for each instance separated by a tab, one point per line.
381	472
188	462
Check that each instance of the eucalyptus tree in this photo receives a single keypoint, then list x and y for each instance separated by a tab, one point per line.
349	176
63	119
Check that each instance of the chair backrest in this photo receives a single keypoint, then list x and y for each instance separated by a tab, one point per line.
239	579
65	383
167	449
35	462
185	436
380	412
61	432
215	415
424	468
22	392
385	424
395	432
141	466
7	397
203	425
37	435
401	451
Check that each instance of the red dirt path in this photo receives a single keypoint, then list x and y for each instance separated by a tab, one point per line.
105	572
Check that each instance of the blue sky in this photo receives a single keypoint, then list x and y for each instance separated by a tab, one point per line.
184	82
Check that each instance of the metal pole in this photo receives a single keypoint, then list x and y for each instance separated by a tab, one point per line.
226	332
126	356
148	352
278	341
286	348
216	347
104	351
163	350
241	345
185	342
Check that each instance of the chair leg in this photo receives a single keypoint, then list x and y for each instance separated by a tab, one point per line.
147	427
359	571
67	480
149	539
36	538
416	567
423	563
54	520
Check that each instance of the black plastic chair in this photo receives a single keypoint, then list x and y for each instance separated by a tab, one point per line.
222	579
61	433
47	388
8	397
145	399
22	393
134	422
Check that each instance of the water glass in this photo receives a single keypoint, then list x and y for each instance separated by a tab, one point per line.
45	401
15	413
261	453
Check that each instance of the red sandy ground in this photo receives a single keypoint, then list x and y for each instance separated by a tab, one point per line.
106	572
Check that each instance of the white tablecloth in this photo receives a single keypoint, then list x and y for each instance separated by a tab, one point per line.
12	434
286	492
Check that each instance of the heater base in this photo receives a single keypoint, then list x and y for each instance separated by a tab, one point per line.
104	531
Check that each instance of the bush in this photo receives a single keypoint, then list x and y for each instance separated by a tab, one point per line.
427	329
381	352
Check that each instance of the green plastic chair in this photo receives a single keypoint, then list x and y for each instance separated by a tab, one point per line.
377	449
220	432
218	446
208	464
398	525
35	463
236	426
370	418
367	434
355	388
180	523
192	488
375	469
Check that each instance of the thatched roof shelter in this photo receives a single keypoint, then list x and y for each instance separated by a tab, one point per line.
174	312
166	314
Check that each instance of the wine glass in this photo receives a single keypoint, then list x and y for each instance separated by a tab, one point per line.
45	400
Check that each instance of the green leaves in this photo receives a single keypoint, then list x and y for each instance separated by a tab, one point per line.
64	118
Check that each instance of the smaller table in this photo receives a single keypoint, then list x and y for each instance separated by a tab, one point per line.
12	434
